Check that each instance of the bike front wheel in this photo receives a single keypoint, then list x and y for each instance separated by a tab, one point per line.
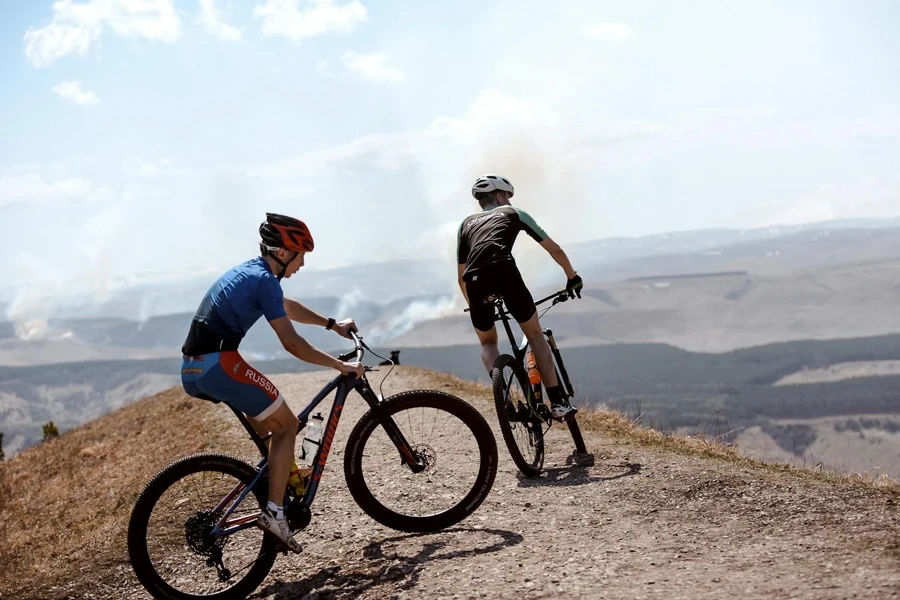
170	544
522	428
451	439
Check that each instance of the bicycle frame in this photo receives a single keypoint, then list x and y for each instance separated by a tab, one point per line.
519	352
343	384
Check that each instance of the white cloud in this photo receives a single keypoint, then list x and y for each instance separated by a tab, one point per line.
71	90
45	45
164	168
865	198
210	17
494	119
26	185
300	19
323	68
75	28
608	32
523	138
373	67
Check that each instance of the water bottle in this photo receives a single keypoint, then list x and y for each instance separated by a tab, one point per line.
312	439
534	376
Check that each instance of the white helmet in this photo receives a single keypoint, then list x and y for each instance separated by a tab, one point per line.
490	183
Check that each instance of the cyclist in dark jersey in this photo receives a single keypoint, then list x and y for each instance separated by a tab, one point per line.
486	269
213	368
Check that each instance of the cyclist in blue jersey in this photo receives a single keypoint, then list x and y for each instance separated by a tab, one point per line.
487	269
213	368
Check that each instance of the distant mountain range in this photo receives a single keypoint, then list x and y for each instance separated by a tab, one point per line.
703	290
850	422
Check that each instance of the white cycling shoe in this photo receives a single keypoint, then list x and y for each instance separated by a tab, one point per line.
561	411
279	528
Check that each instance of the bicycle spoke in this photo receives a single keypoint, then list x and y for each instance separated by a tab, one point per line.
443	442
523	430
178	540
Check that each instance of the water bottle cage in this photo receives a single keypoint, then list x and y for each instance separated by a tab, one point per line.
303	448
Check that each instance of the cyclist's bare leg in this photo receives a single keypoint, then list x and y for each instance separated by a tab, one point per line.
283	425
490	352
262	431
542	354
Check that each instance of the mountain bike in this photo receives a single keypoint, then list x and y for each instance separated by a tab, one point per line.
418	461
524	418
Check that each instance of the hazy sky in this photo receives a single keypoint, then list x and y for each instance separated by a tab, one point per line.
152	135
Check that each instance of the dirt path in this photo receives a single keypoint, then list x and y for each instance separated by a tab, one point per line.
639	523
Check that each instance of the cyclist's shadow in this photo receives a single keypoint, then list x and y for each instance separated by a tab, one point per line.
389	566
581	469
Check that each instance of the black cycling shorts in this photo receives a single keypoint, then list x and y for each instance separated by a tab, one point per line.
489	283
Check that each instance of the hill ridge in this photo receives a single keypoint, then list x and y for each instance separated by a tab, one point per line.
656	515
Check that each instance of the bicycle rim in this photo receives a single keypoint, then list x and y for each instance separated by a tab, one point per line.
170	544
521	427
453	441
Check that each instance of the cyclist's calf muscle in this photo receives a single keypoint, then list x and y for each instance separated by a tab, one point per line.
542	354
283	424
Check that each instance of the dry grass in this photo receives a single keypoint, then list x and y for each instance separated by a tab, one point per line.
76	492
65	504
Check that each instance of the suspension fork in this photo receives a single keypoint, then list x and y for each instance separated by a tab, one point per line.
407	455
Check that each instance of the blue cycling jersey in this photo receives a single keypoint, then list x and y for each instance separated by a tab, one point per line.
240	297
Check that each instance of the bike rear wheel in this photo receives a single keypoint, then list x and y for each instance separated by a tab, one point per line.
448	435
169	542
522	428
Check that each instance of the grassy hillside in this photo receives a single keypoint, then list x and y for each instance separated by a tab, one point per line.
66	502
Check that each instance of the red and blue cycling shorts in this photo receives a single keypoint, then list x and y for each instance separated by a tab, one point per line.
227	377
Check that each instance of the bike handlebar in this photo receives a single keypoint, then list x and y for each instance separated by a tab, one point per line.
557	297
358	351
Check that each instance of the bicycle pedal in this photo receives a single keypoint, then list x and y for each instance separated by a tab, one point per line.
543	412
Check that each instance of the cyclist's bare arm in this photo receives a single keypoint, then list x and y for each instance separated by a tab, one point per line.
303	314
559	256
306	352
460	269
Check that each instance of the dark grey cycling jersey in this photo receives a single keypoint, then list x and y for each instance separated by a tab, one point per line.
487	238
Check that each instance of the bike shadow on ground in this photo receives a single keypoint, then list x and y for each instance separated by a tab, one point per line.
580	469
388	566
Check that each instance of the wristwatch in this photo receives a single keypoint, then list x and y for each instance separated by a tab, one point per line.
331	323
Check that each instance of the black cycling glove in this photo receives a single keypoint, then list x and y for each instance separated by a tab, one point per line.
574	286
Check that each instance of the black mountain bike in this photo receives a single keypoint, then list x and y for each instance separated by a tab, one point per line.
418	461
524	418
